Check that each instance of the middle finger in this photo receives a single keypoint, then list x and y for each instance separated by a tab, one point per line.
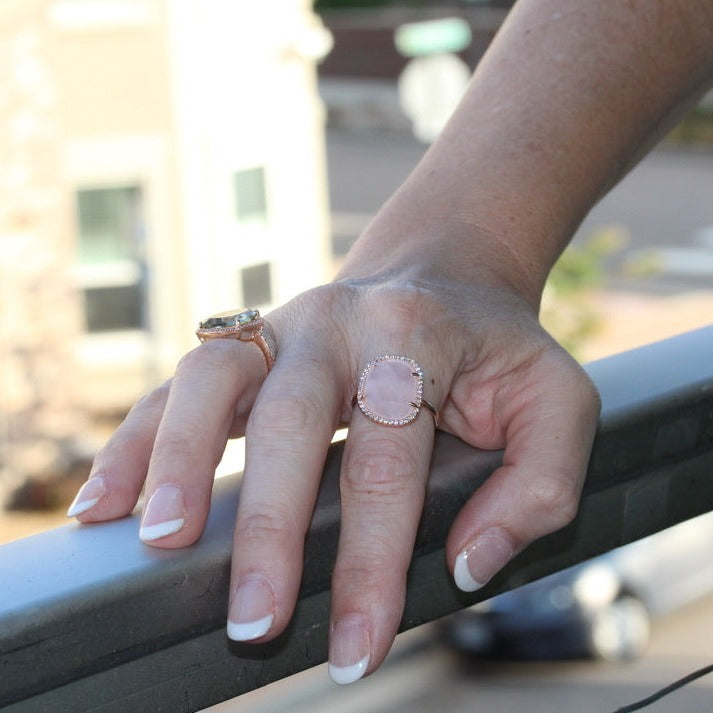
384	474
288	434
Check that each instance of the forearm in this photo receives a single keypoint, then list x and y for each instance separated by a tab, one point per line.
567	98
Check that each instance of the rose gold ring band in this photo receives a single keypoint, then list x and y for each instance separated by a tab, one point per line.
434	411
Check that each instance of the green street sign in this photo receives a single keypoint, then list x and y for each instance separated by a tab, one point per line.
449	34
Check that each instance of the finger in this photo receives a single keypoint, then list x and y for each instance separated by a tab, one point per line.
383	479
384	473
287	437
211	382
550	427
119	469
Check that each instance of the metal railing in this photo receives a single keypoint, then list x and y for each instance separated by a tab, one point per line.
92	620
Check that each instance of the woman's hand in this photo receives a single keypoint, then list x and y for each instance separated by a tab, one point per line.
449	274
498	380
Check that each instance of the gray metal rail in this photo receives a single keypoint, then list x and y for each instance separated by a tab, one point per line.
91	620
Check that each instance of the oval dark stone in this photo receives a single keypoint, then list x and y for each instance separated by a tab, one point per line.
230	319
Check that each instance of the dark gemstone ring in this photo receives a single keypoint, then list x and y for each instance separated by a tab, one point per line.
245	325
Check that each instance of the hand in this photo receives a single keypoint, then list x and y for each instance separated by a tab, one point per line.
498	379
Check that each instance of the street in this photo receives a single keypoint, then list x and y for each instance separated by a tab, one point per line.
665	204
421	676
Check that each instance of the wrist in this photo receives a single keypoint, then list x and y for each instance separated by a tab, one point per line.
447	246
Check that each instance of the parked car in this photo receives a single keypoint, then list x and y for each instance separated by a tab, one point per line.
602	608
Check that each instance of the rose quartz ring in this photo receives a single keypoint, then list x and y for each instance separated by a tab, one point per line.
390	391
246	325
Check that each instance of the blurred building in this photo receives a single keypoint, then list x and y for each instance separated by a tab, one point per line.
364	46
162	160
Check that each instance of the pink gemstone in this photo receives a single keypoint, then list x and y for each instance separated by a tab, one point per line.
389	388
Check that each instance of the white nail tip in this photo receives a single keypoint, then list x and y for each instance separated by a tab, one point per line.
249	630
462	576
348	674
148	533
82	506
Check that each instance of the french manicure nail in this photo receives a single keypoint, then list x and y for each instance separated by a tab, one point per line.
164	513
349	650
251	611
476	564
88	496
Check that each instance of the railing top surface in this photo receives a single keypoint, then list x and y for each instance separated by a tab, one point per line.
668	369
81	601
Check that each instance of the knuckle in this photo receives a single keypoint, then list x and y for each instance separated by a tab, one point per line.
177	445
263	527
213	354
377	467
141	420
275	418
406	306
325	308
152	402
192	358
580	386
322	298
370	574
591	399
554	499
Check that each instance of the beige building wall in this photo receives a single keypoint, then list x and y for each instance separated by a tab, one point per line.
245	99
39	307
204	119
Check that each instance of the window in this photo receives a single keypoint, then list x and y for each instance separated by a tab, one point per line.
113	308
111	273
250	195
251	213
257	284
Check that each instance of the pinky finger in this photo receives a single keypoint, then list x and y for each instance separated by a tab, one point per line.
119	469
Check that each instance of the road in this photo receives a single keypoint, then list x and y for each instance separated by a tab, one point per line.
421	676
664	204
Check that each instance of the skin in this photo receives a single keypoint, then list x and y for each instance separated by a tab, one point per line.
450	273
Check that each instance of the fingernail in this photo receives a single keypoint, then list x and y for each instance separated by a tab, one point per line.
88	496
349	650
476	564
164	513
251	611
